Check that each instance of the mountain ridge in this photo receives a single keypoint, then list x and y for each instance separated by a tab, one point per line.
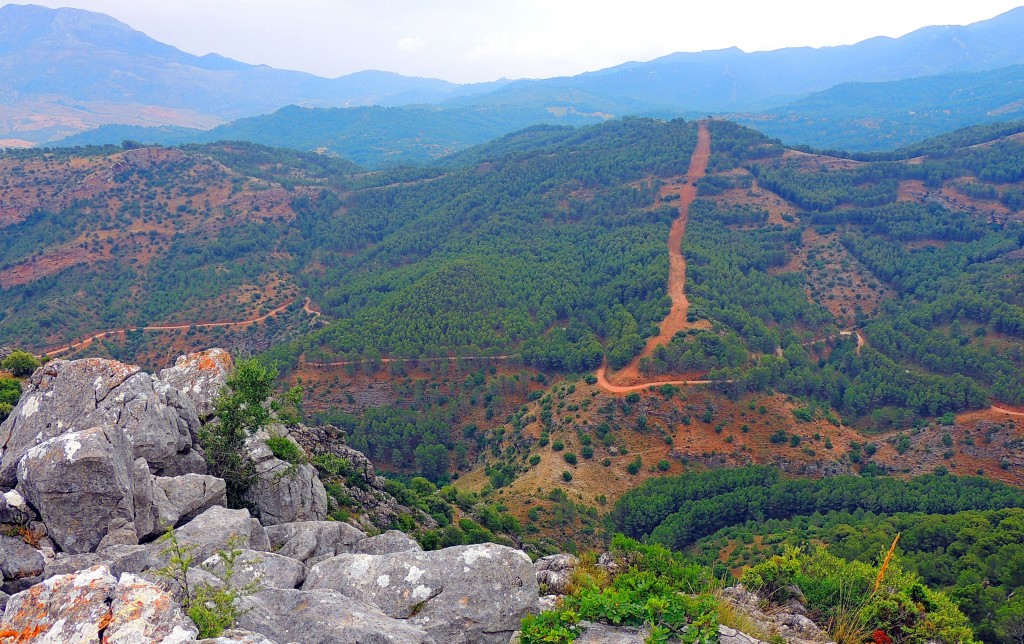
111	73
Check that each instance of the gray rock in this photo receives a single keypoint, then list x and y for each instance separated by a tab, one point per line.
18	559
306	540
555	571
323	617
66	608
728	635
258	539
237	636
13	509
284	492
260	569
148	522
476	593
142	612
390	542
63	396
216	529
200	377
368	491
604	634
793	627
80	483
119	559
192	494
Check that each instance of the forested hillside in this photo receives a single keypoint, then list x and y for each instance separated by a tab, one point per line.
874	294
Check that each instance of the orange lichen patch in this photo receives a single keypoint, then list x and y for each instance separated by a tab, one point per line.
27	634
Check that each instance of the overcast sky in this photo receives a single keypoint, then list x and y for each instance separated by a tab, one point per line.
479	40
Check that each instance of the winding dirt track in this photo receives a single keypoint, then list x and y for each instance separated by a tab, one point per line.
81	344
1008	412
627	379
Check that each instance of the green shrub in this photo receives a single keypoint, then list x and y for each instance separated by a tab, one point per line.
567	476
285	449
558	445
570	458
535	459
20	363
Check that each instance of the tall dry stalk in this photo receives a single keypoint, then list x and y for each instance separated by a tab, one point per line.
885	564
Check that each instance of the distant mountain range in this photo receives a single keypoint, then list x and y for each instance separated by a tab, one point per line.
61	69
109	73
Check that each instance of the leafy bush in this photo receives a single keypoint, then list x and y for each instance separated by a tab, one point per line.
214	609
862	597
654	588
285	449
20	363
240	411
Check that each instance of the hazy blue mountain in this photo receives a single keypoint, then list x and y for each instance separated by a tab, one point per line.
885	116
112	74
78	64
370	136
730	79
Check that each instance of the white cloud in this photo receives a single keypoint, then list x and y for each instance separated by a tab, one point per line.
411	44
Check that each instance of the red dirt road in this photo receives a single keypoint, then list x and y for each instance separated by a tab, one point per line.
628	378
81	344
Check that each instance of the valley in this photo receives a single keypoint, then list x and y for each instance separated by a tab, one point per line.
608	314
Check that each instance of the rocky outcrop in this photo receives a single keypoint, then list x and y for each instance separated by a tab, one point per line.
313	541
788	621
324	617
90	606
555	571
81	484
283	492
380	509
476	593
105	461
200	377
63	397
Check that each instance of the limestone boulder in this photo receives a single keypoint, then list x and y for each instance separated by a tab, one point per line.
66	608
118	559
385	544
90	606
14	509
200	377
463	594
67	396
260	570
216	529
81	485
555	571
312	541
237	636
324	617
21	564
283	492
142	612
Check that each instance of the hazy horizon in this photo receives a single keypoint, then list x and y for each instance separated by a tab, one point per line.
464	41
